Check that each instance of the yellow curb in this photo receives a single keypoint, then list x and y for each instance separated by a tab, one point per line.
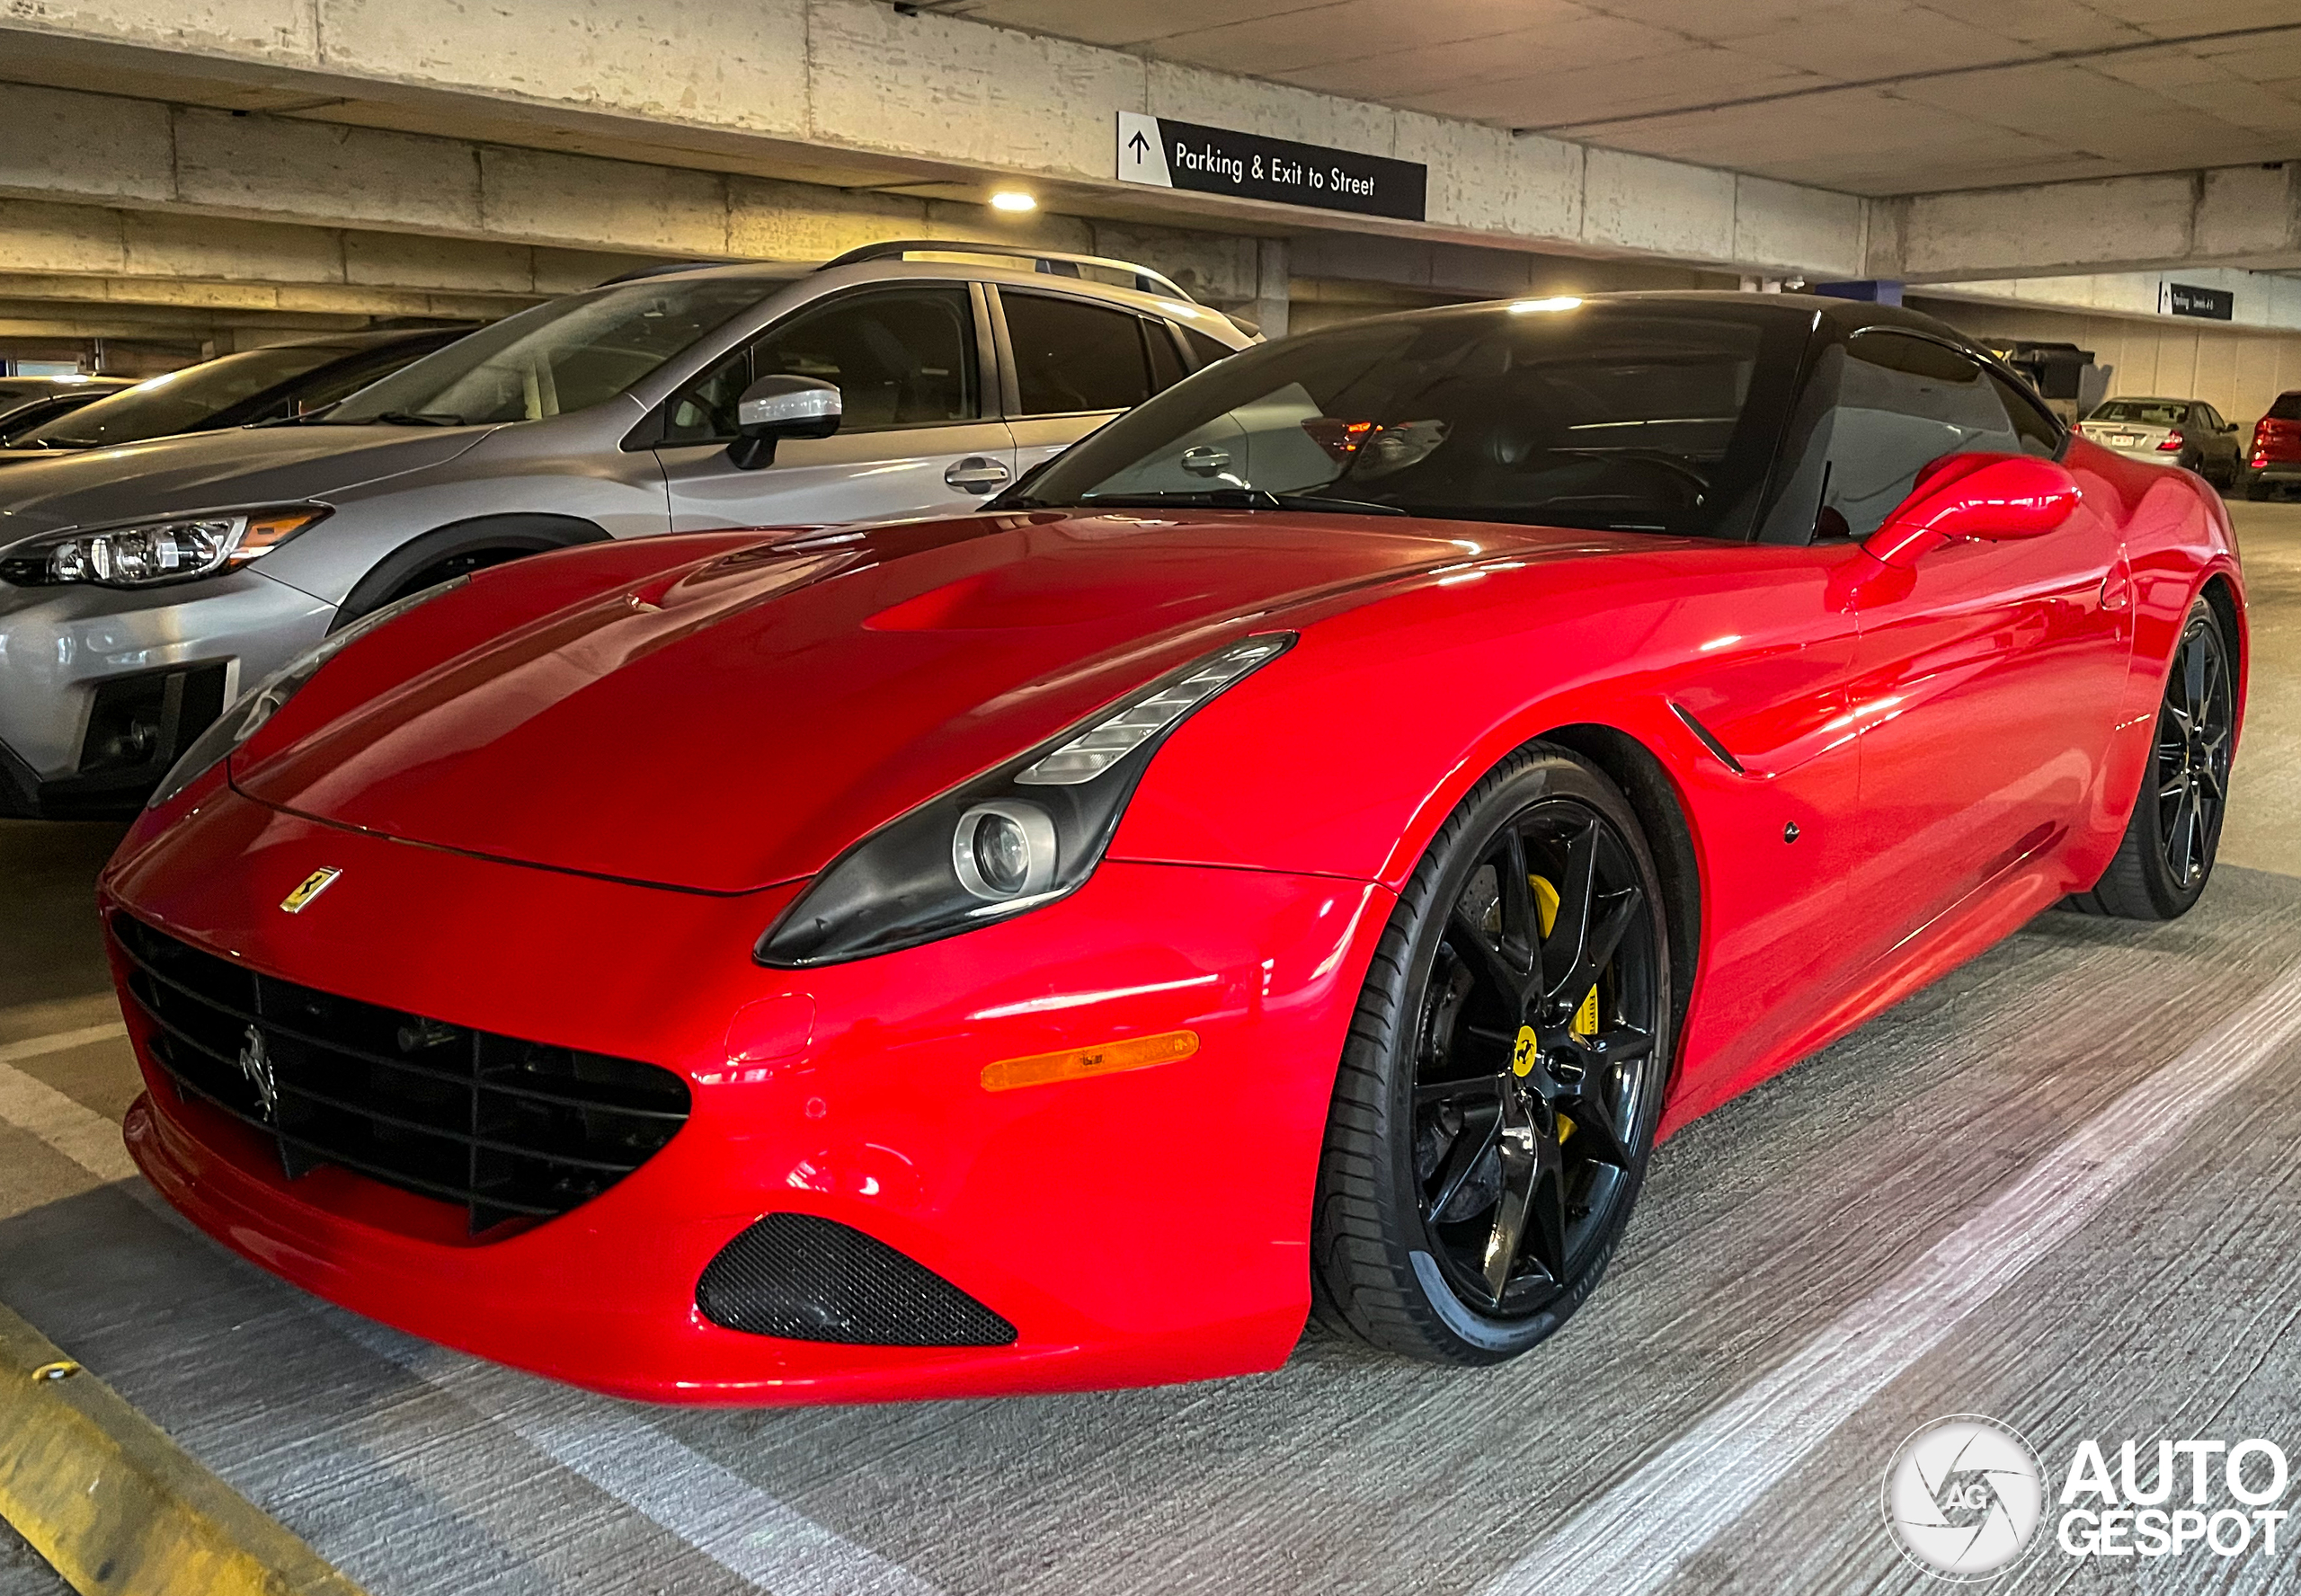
117	1507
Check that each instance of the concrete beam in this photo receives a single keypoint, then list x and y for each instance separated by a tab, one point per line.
76	295
801	85
2235	216
2262	302
158	257
430	210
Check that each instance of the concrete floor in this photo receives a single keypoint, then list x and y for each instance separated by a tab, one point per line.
1731	1397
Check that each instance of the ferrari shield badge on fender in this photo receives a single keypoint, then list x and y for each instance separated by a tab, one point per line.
309	888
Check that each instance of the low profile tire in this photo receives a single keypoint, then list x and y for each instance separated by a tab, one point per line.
1502	1083
2167	854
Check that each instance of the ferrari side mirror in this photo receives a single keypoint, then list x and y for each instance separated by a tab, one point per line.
774	408
1991	498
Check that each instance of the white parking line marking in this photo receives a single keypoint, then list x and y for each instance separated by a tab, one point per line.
59	1042
1636	1535
726	1518
718	1512
77	1131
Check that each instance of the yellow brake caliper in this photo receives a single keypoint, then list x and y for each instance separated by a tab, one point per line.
1586	1018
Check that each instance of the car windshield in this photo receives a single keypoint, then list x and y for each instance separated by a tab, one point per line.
563	356
2144	412
181	401
1626	415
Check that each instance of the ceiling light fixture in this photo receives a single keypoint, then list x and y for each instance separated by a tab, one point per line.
1013	199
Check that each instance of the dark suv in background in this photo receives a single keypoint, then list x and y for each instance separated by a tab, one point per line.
29	402
2273	465
275	383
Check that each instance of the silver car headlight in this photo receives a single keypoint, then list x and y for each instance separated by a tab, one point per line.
1022	835
260	703
152	552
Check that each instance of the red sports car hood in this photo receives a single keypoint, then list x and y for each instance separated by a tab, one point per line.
738	719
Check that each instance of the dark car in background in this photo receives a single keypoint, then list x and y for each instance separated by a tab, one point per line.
275	383
29	402
2185	432
2273	465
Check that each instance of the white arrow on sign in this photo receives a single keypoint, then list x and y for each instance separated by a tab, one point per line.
1143	150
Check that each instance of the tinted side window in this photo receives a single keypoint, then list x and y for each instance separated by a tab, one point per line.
1166	360
902	358
703	411
1904	402
1204	351
2039	434
1073	356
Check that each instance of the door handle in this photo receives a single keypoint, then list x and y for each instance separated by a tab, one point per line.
977	474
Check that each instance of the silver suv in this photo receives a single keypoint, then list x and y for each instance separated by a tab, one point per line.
143	588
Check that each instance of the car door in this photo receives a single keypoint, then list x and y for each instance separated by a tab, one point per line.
917	436
1075	364
1988	675
2218	443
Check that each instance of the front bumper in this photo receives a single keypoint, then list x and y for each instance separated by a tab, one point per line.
100	687
1135	1228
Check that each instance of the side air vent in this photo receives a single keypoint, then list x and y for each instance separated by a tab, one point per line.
809	1279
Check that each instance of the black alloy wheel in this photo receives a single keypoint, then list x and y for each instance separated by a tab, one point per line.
2195	727
1503	1084
2167	854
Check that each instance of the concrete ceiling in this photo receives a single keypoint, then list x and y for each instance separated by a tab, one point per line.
1873	97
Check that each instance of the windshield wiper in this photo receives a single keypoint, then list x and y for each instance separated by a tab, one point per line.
1240	499
421	418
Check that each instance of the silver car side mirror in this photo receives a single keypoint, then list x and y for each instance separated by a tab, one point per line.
774	408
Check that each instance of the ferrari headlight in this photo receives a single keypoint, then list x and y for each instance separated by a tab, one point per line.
1025	834
260	703
149	553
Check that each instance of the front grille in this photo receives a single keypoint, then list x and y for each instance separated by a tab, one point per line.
809	1279
508	1128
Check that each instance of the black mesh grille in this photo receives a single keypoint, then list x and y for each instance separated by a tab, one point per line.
807	1278
508	1128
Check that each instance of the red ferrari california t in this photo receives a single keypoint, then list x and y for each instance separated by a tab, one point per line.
1307	843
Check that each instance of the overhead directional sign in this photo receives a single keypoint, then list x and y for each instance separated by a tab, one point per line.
2181	299
1170	154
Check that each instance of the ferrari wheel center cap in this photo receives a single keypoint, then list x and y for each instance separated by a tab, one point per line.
1525	1052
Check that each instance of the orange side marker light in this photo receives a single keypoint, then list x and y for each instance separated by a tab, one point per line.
1136	1052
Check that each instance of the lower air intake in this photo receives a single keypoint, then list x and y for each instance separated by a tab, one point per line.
807	1278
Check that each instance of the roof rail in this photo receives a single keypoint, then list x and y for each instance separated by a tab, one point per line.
1050	262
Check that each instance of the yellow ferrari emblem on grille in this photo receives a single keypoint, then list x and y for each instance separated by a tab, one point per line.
309	888
1524	1054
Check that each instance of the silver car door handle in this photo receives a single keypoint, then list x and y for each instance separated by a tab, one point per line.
977	474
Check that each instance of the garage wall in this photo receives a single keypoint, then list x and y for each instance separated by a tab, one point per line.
2237	371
